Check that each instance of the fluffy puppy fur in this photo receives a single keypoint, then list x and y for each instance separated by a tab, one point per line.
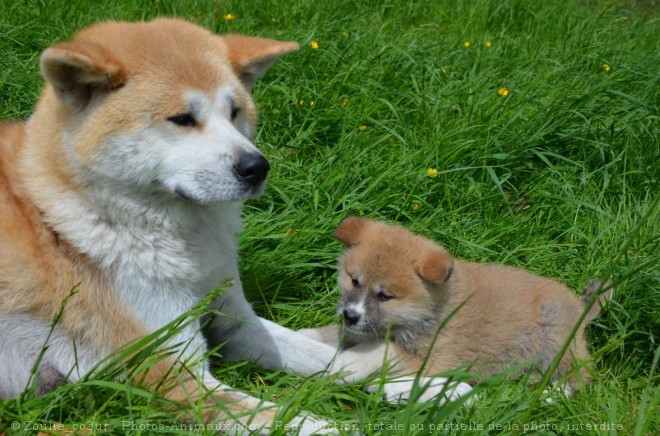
488	316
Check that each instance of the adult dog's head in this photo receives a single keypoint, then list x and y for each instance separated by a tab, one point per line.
159	110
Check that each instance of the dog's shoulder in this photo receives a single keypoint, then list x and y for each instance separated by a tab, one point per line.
19	218
27	246
12	135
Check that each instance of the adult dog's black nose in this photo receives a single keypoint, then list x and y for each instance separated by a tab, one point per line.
351	317
251	168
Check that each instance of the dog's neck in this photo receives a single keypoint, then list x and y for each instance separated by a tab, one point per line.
145	236
419	335
161	258
416	338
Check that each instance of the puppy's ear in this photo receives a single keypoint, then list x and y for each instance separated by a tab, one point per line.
250	56
350	230
606	293
435	265
76	70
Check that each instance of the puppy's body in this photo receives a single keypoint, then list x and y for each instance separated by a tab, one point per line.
126	186
489	316
503	316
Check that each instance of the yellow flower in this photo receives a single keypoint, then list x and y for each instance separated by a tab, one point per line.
466	44
314	44
432	172
301	102
488	44
607	68
312	103
362	127
415	205
229	17
343	103
344	34
503	92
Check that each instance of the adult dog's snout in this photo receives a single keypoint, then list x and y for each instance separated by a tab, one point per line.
251	168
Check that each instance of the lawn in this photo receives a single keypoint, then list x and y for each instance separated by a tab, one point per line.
525	133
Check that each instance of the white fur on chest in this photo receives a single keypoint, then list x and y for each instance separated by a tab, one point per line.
161	257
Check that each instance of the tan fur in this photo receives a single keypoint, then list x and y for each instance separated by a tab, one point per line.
496	316
38	269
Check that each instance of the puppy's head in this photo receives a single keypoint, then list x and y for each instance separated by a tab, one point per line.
388	277
161	108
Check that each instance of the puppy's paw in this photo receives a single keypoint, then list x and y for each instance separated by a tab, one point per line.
328	335
399	389
562	392
453	391
310	333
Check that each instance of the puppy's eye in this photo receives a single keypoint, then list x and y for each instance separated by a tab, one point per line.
382	296
183	120
234	112
355	282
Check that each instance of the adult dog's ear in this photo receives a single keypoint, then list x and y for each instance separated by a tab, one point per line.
77	69
350	230
251	56
434	265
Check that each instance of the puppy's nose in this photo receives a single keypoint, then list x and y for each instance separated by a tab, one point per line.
351	317
251	168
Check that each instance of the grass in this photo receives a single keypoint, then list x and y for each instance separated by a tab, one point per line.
560	176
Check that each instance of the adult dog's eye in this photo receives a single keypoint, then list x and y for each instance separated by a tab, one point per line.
234	112
183	120
355	282
382	296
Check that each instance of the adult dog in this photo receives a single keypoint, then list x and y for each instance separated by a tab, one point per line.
126	185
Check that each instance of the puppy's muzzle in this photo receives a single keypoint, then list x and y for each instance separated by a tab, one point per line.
351	317
251	168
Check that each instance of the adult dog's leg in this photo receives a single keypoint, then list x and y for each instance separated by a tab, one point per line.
242	335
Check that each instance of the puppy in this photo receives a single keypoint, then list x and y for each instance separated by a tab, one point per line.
126	186
441	313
